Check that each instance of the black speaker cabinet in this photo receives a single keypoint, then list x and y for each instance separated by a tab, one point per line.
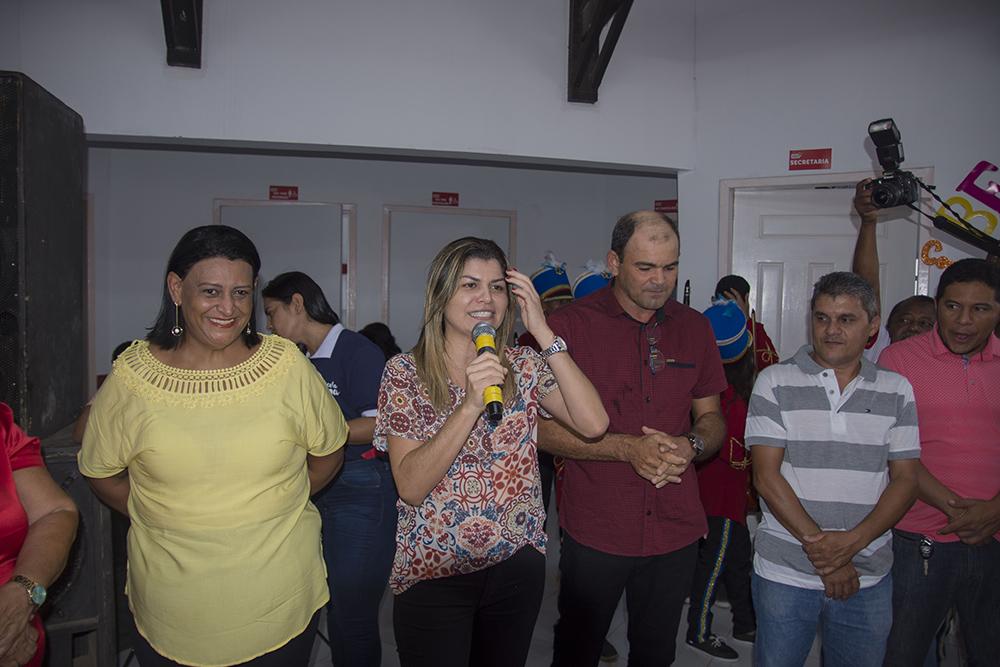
79	614
43	356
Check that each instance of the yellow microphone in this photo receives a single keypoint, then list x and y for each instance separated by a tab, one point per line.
485	338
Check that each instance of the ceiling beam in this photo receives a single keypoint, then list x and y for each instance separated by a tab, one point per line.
588	55
182	30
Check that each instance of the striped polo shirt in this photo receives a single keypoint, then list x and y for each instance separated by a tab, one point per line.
837	447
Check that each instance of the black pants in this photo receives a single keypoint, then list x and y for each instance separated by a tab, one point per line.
295	653
482	619
724	557
592	582
547	471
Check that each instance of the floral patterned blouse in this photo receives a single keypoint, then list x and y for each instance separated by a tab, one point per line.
489	504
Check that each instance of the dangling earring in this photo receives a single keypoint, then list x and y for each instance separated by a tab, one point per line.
249	330
178	329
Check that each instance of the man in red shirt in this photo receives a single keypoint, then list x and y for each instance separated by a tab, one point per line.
630	509
946	549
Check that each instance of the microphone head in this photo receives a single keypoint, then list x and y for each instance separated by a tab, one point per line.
483	329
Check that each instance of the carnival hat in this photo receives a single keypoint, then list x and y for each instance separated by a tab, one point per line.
730	327
594	278
551	281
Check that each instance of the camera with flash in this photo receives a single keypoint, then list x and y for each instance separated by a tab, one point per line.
896	187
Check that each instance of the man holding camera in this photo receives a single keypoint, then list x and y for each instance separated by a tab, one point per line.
946	550
913	315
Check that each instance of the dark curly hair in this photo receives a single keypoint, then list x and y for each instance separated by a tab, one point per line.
201	243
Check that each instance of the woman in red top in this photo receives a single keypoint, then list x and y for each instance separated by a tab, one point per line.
724	555
37	527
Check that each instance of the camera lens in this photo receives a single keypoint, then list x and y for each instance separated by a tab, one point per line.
887	195
895	189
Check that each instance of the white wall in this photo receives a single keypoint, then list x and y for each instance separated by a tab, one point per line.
775	75
487	77
474	76
145	200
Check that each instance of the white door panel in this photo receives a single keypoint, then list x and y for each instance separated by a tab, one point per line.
785	239
295	236
413	236
769	292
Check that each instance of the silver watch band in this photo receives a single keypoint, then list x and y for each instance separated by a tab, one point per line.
697	444
558	345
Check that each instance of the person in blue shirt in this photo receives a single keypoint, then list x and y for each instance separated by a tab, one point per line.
359	507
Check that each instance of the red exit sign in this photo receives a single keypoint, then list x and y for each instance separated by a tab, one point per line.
810	158
444	198
665	205
283	192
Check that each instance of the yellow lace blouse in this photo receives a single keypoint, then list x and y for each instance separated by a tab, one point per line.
224	555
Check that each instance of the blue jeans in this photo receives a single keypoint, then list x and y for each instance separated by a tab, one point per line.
959	575
359	542
854	630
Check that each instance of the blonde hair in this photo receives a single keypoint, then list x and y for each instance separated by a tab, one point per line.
442	283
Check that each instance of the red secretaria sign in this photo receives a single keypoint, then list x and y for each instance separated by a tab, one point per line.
283	192
665	205
444	198
810	158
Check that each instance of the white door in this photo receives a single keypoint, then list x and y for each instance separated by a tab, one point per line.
785	238
297	236
412	237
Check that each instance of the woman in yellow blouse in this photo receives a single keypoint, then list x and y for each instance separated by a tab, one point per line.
211	438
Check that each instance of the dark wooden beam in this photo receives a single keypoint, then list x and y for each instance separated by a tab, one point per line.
182	30
588	57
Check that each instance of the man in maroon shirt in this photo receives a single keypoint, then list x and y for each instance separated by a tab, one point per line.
630	509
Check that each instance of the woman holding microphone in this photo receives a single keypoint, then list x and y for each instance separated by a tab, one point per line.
469	567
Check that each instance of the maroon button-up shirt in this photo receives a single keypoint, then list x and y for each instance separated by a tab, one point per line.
605	505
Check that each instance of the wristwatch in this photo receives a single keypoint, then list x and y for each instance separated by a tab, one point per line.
558	345
697	444
36	592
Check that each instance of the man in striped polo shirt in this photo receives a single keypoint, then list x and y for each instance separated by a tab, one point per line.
835	452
